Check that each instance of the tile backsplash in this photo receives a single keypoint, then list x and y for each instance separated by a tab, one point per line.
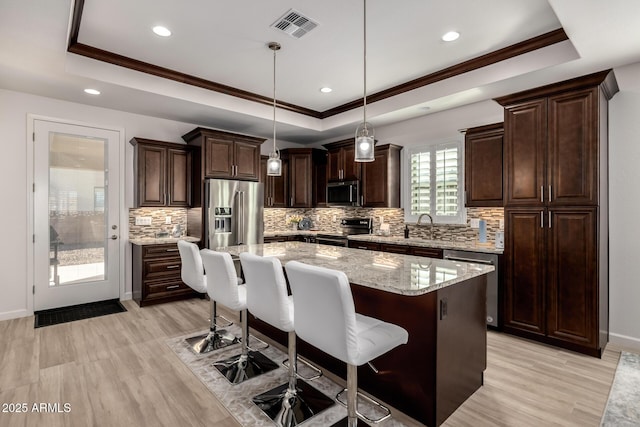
328	220
158	217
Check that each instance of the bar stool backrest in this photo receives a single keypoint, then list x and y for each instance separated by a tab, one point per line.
325	313
192	271
222	280
267	297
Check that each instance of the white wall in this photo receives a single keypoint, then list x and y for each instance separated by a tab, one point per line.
624	210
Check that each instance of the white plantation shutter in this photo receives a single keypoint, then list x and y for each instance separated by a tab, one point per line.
435	183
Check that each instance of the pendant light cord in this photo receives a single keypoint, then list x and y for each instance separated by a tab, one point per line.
365	64
274	100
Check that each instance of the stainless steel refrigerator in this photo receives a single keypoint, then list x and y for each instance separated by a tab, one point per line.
234	212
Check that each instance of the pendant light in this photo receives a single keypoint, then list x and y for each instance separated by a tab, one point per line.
364	133
274	164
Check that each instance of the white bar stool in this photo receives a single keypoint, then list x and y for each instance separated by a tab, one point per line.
192	273
326	319
223	281
296	401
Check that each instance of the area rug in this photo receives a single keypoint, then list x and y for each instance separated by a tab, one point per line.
237	398
77	312
623	406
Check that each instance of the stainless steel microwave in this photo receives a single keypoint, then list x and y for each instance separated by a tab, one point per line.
343	193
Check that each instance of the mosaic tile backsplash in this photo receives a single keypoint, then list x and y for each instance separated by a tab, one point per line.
328	220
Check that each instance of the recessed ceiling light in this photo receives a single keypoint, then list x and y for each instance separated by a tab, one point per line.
325	89
161	31
451	36
92	91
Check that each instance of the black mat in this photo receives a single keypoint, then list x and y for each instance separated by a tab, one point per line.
77	312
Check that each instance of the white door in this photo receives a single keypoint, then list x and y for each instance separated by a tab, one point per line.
76	211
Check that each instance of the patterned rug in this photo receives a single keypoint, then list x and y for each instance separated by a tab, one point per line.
237	398
623	406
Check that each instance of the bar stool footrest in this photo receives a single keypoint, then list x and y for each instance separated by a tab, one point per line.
387	412
314	368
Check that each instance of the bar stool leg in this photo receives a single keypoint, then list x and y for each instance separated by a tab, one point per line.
247	364
215	339
294	402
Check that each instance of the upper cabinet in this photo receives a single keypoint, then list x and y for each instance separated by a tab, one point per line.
483	166
226	155
552	143
381	178
341	164
163	173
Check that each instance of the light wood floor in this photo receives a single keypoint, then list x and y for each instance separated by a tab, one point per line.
116	370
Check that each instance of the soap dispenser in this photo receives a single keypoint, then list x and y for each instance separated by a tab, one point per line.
406	231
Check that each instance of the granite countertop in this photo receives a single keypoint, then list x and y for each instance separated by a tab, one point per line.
441	244
400	274
161	241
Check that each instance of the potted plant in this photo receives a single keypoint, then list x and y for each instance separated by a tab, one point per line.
294	220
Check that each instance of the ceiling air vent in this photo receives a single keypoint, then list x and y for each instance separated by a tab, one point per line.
294	23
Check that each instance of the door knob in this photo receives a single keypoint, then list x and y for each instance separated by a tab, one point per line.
114	237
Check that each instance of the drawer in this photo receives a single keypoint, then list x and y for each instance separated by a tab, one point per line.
426	252
163	268
371	246
160	251
396	249
165	288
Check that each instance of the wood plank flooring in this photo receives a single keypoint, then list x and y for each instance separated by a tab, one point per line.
116	370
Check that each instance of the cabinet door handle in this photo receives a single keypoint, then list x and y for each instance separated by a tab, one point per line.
549	219
541	219
291	203
549	193
173	287
169	267
542	193
172	250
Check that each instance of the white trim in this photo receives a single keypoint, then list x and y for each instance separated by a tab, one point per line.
8	315
123	216
624	341
126	296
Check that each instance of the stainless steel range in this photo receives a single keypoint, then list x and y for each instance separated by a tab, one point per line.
348	226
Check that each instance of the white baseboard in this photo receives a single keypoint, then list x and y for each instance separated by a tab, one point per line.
625	342
7	315
126	296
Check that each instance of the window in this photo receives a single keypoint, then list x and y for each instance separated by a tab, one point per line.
435	184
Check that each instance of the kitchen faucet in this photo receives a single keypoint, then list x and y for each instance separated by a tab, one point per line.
420	224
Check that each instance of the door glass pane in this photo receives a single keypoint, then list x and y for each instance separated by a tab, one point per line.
77	206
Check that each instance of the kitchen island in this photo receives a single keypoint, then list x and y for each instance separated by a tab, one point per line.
440	303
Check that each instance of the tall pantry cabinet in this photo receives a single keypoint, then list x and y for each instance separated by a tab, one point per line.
556	213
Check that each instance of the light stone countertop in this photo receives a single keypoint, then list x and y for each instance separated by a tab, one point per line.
440	244
400	274
162	241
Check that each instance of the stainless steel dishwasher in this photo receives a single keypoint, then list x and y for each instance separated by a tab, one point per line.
492	278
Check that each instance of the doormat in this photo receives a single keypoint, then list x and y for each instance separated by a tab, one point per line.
55	316
623	406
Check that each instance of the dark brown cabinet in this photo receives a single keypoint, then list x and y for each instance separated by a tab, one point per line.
381	178
163	173
156	275
226	155
341	164
556	231
483	166
397	249
276	188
